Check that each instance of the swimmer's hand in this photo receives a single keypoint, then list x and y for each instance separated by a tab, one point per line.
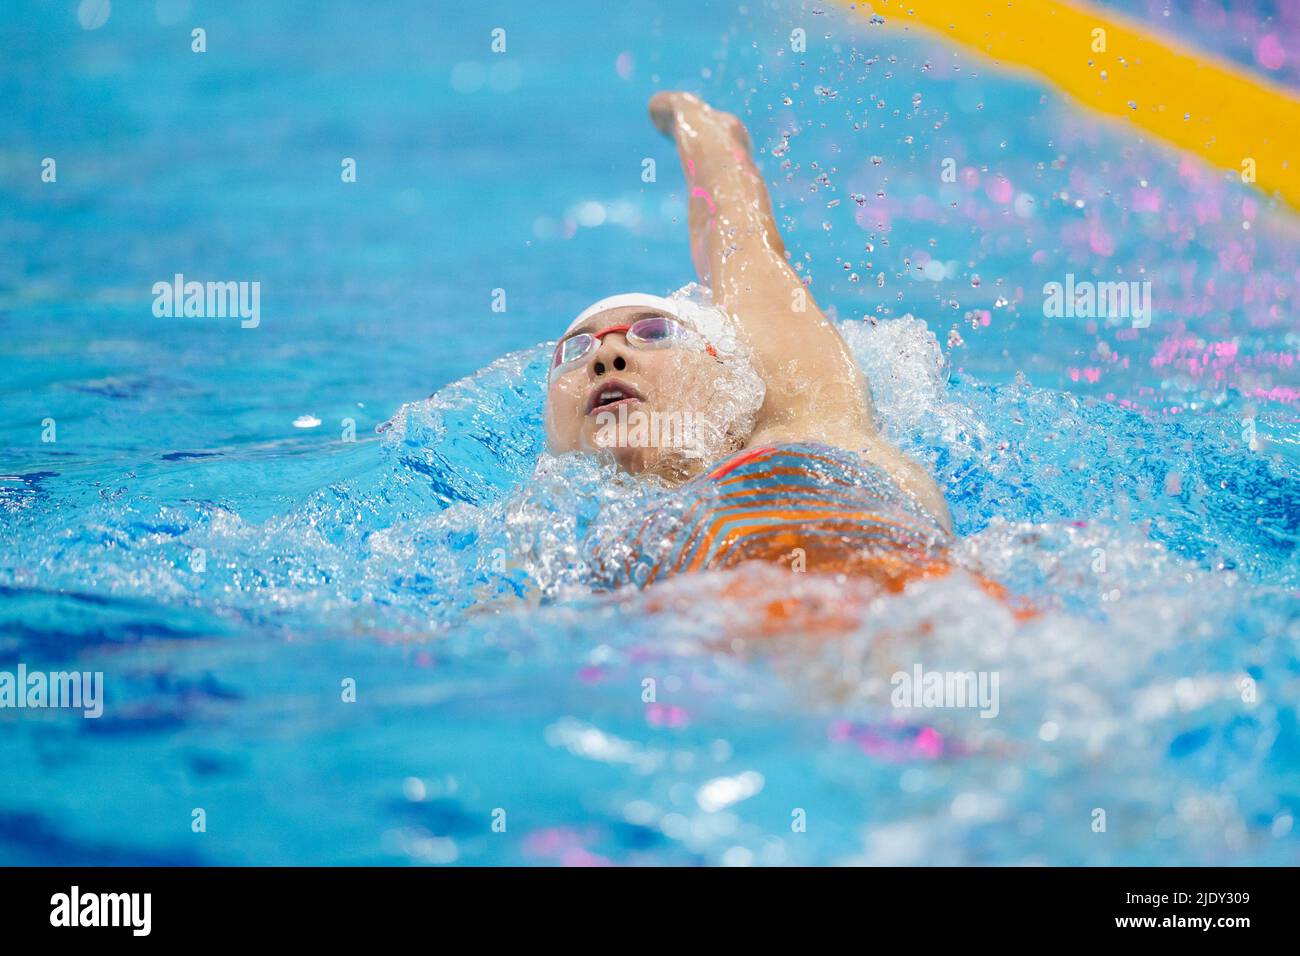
665	107
677	115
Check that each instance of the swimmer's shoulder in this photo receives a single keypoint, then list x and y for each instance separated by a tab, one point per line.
871	449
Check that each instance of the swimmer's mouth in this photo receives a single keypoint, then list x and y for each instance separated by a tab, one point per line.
607	396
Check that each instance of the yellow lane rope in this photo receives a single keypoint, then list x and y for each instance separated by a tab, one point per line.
1195	101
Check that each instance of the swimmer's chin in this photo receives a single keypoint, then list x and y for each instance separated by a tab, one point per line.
668	465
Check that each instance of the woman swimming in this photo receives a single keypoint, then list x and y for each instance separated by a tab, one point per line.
770	428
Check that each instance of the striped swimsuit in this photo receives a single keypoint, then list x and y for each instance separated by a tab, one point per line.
809	506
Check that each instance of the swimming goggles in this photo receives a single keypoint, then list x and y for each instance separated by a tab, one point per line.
652	332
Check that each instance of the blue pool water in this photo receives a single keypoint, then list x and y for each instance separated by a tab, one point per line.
1139	485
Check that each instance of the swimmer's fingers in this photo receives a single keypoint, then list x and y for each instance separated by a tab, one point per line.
667	106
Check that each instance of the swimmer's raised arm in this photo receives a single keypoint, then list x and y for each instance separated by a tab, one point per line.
813	385
815	390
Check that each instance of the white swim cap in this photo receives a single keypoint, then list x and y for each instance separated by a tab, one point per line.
656	302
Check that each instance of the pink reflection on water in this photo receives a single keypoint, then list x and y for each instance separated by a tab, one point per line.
564	845
666	715
999	190
1269	53
896	742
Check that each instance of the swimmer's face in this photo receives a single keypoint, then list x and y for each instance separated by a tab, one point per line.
651	404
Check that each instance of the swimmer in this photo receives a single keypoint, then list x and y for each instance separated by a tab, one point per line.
789	465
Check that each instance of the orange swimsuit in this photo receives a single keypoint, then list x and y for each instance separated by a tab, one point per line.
813	507
810	507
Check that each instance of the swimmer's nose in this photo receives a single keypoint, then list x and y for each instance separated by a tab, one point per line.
612	356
